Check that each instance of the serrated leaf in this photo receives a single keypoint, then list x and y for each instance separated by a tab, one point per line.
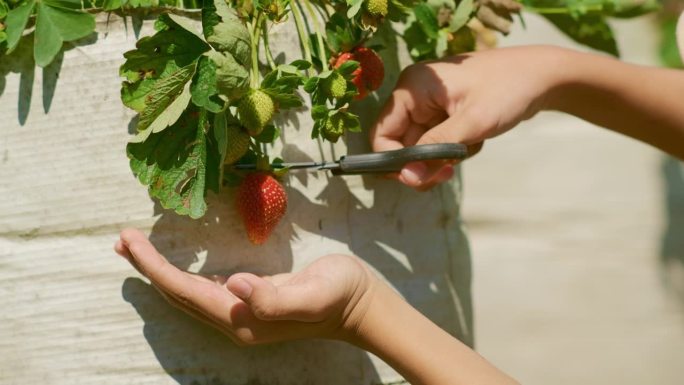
461	15
186	23
163	53
54	26
232	79
172	163
229	34
203	88
155	58
16	22
166	102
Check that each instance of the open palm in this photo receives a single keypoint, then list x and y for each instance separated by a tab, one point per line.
323	300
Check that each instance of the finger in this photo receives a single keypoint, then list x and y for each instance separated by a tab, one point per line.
392	123
193	312
420	174
296	302
203	296
458	128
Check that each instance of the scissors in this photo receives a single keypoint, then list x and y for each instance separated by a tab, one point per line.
377	162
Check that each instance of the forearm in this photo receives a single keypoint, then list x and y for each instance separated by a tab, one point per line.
645	103
417	348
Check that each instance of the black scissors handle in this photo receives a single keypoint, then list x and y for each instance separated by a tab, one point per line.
394	161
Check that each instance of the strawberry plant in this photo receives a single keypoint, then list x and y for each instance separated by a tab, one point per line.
207	93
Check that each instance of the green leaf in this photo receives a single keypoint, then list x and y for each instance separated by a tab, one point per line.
163	53
111	5
354	7
155	58
232	79
203	88
634	8
427	20
16	22
319	111
590	30
4	8
462	14
54	26
311	84
173	164
166	102
229	34
269	134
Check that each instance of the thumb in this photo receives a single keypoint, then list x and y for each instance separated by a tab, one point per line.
297	302
455	129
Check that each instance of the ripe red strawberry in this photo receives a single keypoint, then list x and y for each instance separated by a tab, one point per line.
368	77
261	202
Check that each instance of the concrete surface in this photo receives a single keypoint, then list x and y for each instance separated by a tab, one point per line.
578	241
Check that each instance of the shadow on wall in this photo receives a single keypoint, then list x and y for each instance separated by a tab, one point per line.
21	61
672	250
399	221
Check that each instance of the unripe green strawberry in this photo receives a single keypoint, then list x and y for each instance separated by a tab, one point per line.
255	110
334	128
261	202
237	144
335	85
377	8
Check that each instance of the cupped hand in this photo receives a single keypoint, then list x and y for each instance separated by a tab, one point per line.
463	99
327	299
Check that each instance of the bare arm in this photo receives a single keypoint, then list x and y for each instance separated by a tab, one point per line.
645	103
417	348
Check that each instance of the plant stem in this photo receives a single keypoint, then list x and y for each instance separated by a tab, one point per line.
267	47
303	37
561	10
255	78
319	35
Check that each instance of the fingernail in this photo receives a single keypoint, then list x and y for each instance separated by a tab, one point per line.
241	288
413	174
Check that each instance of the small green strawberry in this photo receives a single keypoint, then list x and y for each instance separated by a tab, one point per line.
261	202
334	128
237	144
255	110
376	8
335	85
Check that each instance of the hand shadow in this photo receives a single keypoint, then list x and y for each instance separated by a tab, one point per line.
672	246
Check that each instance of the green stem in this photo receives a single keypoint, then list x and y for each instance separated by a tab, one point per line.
267	47
319	35
303	38
560	10
255	29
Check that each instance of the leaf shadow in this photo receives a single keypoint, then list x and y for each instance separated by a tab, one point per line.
21	61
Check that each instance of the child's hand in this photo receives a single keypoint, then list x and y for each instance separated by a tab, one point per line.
464	99
327	299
